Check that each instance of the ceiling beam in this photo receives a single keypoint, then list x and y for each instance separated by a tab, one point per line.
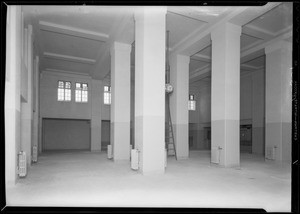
201	57
247	55
121	28
62	72
240	16
71	31
188	46
253	13
69	58
250	66
200	74
265	44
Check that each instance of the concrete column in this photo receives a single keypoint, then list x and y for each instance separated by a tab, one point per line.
150	31
96	91
12	93
27	107
225	93
120	100
279	99
179	79
35	135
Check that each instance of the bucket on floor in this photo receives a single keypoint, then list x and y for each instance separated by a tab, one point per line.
109	152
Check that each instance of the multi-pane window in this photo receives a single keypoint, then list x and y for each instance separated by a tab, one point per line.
107	95
81	92
64	91
192	103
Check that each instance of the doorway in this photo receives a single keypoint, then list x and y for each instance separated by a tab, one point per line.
246	138
66	134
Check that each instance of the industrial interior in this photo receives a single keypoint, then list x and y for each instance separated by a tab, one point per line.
162	106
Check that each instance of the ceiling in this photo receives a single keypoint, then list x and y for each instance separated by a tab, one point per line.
266	27
77	39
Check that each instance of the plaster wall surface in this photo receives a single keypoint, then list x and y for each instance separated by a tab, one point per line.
51	108
13	93
92	110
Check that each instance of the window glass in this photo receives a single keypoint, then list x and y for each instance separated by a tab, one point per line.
107	95
81	92
64	91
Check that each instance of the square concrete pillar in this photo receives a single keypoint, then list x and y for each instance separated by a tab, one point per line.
96	115
179	78
120	100
225	94
36	78
27	107
150	31
279	100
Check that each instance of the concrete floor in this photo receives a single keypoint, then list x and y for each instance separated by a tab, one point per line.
90	179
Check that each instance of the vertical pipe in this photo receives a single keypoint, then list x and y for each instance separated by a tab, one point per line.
167	59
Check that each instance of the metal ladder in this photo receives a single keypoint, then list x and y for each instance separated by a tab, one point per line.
169	134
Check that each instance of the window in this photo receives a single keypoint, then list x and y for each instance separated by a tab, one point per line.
81	92
192	103
64	91
107	95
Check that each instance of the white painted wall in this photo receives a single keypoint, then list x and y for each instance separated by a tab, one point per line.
51	108
92	110
12	93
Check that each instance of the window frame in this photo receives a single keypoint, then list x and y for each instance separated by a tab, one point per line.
79	95
107	95
64	93
191	103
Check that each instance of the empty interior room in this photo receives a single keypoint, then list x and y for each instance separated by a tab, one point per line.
162	106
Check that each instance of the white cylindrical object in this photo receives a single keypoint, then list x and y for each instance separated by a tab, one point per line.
109	151
215	156
34	154
134	159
